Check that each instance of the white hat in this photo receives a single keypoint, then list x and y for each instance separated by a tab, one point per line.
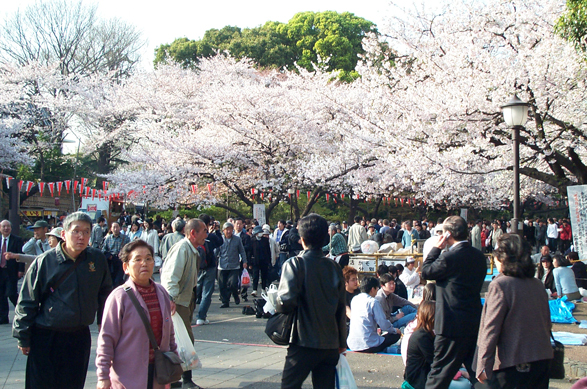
410	260
266	228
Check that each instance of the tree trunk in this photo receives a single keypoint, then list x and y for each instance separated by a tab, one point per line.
316	193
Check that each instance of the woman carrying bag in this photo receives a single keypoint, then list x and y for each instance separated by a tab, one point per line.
125	357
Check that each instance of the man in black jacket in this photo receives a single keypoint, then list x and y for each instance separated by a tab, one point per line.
207	271
10	270
459	273
314	286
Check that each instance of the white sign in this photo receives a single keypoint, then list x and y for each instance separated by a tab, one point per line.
464	212
259	213
578	211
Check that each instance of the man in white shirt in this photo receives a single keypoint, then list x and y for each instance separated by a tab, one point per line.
357	235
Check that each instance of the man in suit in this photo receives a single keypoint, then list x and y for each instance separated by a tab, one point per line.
459	273
10	270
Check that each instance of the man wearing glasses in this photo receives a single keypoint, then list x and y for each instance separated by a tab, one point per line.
61	293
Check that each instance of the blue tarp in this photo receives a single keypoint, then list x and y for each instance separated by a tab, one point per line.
560	311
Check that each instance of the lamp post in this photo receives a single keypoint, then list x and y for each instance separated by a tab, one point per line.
290	193
515	115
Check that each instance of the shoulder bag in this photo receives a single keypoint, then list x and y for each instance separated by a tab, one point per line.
280	326
167	363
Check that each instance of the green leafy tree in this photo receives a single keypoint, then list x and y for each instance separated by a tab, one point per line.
572	25
309	38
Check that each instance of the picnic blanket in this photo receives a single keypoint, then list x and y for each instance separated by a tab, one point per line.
561	311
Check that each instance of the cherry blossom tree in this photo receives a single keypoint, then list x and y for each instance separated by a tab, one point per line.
453	72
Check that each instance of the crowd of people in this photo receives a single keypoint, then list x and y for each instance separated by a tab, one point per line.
437	338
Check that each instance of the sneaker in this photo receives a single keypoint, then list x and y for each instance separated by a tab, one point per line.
200	322
237	300
254	293
190	385
225	306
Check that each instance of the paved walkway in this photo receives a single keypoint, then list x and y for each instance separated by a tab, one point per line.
225	365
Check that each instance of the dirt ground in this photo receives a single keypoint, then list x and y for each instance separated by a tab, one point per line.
575	353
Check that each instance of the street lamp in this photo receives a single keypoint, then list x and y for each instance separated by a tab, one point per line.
290	193
515	115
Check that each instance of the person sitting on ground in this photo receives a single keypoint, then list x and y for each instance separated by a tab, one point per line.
411	274
545	274
421	347
366	315
564	279
351	286
390	302
400	287
429	294
382	269
579	268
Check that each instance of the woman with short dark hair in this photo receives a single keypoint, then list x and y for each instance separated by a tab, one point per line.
511	353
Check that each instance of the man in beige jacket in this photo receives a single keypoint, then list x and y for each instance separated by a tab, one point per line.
179	276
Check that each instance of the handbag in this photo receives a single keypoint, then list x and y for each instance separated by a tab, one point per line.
281	327
344	375
167	363
557	364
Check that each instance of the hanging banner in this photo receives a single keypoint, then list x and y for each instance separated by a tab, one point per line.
105	186
51	188
578	211
210	188
8	179
20	185
327	197
308	194
41	187
342	196
29	186
67	185
259	213
59	186
75	183
298	194
195	189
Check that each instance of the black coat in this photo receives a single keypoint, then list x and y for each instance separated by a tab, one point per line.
459	276
15	244
419	359
261	252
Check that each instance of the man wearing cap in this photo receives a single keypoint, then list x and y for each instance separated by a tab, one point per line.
38	244
272	243
260	258
411	275
112	245
10	270
230	255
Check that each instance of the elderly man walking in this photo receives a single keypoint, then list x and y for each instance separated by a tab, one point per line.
170	239
229	267
61	293
179	276
10	270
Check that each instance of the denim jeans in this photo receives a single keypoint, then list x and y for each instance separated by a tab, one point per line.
206	280
409	315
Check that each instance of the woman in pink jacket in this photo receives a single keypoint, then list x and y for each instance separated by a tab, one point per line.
125	358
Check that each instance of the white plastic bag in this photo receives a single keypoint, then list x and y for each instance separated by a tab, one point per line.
185	347
272	294
344	375
269	307
369	247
